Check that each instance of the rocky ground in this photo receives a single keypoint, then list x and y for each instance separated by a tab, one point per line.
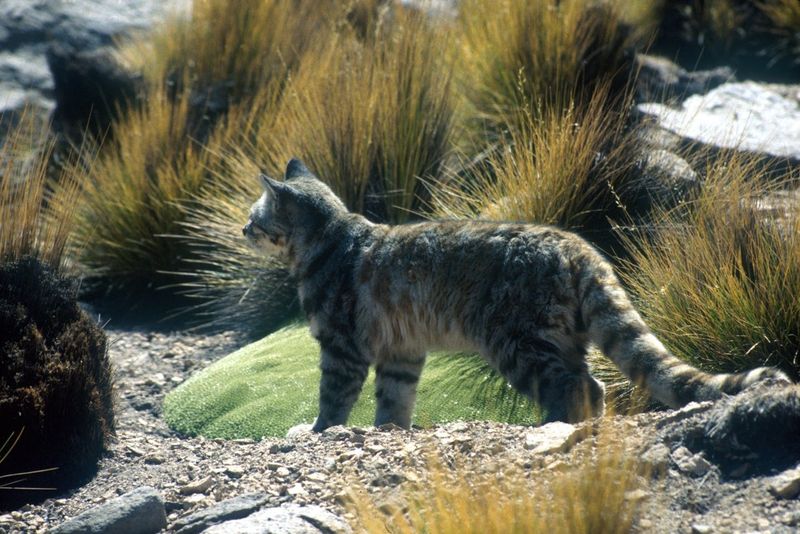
690	492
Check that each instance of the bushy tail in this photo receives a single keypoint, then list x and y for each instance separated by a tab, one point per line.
618	330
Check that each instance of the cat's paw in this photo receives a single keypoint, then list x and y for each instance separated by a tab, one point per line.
299	430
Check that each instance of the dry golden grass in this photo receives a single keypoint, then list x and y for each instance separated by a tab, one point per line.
565	167
132	194
784	14
539	55
589	497
243	47
717	280
370	117
36	216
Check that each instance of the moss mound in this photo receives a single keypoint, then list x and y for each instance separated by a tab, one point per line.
269	386
55	380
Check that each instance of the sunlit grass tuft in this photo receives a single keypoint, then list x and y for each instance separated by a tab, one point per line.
539	55
36	214
717	279
566	167
237	49
371	118
592	495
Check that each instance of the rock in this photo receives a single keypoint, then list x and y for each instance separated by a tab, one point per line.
701	529
689	462
198	486
759	425
660	79
664	179
139	512
29	27
786	485
229	509
551	438
656	460
234	471
289	519
636	496
90	87
747	116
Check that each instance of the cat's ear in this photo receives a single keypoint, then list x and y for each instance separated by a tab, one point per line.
296	168
275	188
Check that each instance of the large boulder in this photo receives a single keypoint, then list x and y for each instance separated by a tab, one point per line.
749	117
29	28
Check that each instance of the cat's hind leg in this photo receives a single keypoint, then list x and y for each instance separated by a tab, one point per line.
562	386
396	390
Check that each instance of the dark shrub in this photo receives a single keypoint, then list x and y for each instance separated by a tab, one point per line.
55	380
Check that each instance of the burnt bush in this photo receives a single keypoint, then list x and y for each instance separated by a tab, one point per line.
55	381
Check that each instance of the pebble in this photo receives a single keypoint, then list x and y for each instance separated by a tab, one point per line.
198	486
786	485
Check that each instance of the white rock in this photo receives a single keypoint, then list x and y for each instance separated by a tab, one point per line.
745	116
551	438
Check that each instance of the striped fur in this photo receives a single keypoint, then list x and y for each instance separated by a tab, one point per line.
530	299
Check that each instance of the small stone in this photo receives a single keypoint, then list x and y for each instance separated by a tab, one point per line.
234	471
387	480
552	438
283	472
199	486
296	490
317	477
636	495
763	523
786	485
656	459
689	463
697	528
154	459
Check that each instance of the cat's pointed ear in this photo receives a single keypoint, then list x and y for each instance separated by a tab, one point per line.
271	185
296	168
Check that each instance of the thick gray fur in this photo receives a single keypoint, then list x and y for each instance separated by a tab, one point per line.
529	298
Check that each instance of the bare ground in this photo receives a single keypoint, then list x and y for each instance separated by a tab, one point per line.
690	494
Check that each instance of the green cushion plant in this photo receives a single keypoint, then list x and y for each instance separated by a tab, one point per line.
271	385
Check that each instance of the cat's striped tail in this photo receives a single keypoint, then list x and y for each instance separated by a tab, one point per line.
618	330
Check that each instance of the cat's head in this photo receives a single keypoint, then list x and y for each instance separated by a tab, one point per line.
299	206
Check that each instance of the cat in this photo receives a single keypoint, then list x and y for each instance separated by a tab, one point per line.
528	298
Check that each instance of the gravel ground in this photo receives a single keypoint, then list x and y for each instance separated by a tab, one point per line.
194	473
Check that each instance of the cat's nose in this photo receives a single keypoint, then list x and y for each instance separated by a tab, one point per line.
246	228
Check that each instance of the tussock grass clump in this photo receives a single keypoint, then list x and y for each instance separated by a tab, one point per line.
237	50
55	381
540	55
565	167
717	280
236	287
132	195
371	118
589	497
35	216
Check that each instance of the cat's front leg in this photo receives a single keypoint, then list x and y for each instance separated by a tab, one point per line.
343	375
396	390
